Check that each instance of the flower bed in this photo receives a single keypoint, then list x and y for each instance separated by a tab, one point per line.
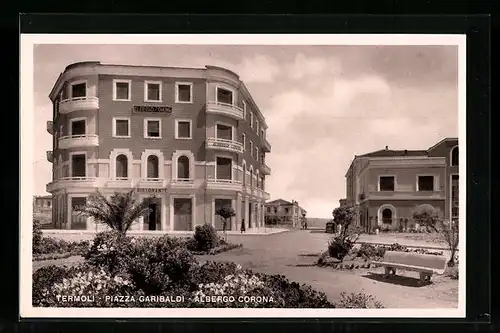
120	271
218	249
365	256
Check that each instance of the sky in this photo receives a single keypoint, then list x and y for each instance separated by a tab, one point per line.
323	104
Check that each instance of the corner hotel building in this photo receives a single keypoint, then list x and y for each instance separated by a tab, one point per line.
190	140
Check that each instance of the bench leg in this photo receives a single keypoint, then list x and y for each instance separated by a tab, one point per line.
424	278
389	271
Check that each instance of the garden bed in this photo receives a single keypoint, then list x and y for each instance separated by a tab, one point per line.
366	256
219	249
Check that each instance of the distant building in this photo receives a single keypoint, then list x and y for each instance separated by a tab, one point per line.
285	211
42	209
387	185
343	202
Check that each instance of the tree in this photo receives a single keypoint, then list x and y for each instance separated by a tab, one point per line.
426	216
118	212
342	243
449	232
225	212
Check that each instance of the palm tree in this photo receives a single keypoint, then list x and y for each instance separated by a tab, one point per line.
225	213
118	212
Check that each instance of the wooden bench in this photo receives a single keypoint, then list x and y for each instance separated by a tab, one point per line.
425	264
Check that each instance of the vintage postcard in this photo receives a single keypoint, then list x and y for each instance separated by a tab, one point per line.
243	176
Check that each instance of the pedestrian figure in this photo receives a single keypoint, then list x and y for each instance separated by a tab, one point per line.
242	226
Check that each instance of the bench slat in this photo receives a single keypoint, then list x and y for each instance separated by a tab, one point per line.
408	267
414	261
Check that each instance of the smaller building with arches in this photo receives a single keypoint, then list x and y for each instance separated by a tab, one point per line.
388	186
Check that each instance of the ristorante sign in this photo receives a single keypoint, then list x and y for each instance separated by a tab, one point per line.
152	190
152	108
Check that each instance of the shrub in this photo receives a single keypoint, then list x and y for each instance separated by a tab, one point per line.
371	251
37	236
342	244
358	301
157	265
292	294
42	279
206	237
426	216
110	250
338	247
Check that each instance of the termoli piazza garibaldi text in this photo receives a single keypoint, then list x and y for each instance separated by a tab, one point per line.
189	140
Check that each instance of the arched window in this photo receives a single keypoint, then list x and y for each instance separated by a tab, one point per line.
454	156
183	167
152	167
121	166
387	216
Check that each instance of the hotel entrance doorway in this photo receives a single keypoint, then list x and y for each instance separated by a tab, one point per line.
152	220
183	214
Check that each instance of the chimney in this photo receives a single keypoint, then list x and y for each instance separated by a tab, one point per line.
386	147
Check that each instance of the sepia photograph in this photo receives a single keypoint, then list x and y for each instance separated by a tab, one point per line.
242	176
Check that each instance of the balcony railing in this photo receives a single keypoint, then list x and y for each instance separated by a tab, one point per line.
50	156
224	144
50	126
265	169
225	109
182	183
78	104
73	182
78	141
151	183
267	145
119	182
405	195
224	184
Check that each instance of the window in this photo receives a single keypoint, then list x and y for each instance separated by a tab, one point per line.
257	126
78	126
243	141
183	167
251	148
454	156
425	183
244	110
121	127
152	91
224	168
121	166
79	90
152	167
224	132
183	129
152	128
386	183
48	204
121	90
244	174
78	165
183	92
257	153
251	120
224	96
262	134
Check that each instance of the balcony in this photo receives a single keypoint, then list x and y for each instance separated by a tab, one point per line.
406	195
50	156
265	170
225	109
50	127
226	145
119	182
73	182
267	145
265	196
182	183
79	141
78	104
151	183
224	184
